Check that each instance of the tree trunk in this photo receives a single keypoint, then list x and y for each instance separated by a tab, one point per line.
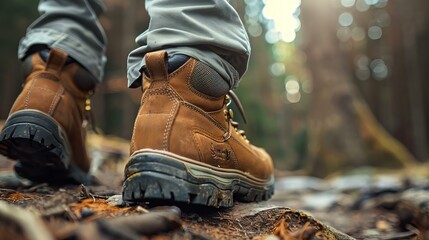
343	133
411	25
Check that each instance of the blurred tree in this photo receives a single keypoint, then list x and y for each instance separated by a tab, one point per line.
381	40
412	22
115	105
15	16
258	92
343	133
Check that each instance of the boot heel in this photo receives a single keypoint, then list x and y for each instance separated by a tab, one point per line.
40	147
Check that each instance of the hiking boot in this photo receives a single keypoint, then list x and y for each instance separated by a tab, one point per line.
186	147
44	131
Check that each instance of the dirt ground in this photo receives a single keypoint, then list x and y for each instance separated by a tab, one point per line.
366	204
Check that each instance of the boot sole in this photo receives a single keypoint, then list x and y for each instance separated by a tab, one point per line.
41	148
153	175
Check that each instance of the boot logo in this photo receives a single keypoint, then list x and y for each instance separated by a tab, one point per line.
221	154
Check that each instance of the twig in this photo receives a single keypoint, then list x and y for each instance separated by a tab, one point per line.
53	211
99	196
70	213
85	193
7	190
35	187
242	228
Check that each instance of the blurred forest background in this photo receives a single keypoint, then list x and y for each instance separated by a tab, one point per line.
332	84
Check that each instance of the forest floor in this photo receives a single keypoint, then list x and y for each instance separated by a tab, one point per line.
365	204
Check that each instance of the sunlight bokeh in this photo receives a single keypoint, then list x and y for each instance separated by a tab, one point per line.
285	20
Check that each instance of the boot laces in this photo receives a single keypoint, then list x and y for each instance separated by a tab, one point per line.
89	115
229	115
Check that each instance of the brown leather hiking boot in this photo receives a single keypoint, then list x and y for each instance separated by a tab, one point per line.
44	131
186	148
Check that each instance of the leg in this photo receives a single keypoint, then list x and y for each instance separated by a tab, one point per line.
44	131
208	30
185	146
71	26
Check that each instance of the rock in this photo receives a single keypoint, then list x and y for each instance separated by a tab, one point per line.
116	200
321	201
301	183
86	212
10	180
351	182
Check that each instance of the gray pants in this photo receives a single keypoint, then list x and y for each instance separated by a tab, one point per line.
208	30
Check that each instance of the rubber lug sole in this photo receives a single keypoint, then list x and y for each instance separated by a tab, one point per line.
41	149
152	177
